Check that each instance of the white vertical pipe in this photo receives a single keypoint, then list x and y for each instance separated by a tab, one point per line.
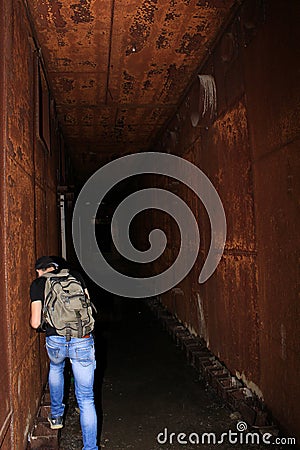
63	226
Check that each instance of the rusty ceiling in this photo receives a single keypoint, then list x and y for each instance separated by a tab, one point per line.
119	68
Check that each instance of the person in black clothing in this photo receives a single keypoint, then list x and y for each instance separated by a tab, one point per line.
80	351
43	265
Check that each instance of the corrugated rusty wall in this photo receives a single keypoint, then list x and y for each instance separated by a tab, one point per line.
247	310
29	225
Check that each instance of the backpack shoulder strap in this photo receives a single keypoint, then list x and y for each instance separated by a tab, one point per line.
61	274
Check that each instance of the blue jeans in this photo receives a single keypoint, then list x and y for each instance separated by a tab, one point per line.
81	353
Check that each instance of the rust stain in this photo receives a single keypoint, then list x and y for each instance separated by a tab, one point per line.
55	8
87	119
191	42
80	53
146	85
151	73
89	85
51	12
69	119
82	13
157	71
128	83
171	16
140	29
163	39
61	62
233	128
175	76
67	84
88	63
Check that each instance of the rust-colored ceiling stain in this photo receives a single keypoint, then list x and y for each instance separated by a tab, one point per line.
118	69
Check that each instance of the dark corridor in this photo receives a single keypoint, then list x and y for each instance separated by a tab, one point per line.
86	85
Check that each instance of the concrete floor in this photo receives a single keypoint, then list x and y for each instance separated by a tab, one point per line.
147	388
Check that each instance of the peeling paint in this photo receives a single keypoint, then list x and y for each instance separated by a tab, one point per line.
232	128
172	16
163	39
140	29
190	43
89	85
88	63
82	13
252	386
65	62
67	84
78	43
54	14
128	84
174	78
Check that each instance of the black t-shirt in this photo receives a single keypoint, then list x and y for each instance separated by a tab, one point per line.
37	289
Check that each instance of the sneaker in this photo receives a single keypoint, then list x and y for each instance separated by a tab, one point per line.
55	422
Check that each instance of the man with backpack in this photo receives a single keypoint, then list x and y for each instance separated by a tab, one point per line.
60	306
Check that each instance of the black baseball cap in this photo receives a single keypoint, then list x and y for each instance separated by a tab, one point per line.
44	262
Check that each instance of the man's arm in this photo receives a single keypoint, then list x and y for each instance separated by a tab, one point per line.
36	313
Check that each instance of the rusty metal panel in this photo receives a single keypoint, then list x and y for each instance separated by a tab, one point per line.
222	152
6	410
277	224
248	308
41	220
25	358
74	36
231	308
79	89
226	52
271	70
100	55
19	85
221	149
23	162
20	222
228	164
272	79
40	163
26	392
154	49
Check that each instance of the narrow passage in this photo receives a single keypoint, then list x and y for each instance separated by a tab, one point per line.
148	389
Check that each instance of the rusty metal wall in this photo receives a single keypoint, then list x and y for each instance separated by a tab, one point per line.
271	66
29	227
250	150
6	410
